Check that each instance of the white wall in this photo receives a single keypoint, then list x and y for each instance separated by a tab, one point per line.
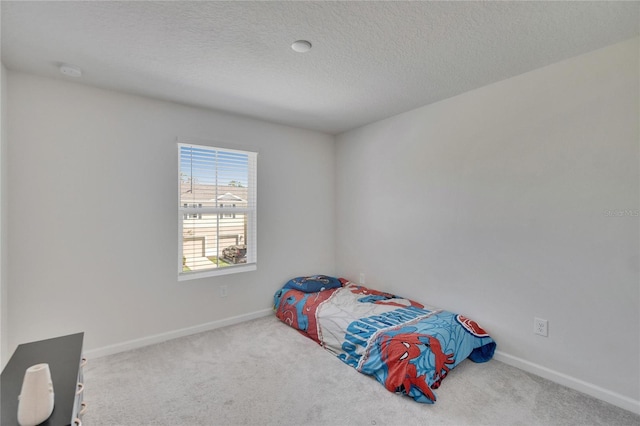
493	203
93	231
4	354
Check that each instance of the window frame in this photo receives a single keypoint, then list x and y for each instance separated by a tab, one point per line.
250	212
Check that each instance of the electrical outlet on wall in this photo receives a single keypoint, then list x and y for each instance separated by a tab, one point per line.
541	327
224	290
361	278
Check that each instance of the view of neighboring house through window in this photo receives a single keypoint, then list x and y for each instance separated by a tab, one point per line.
217	211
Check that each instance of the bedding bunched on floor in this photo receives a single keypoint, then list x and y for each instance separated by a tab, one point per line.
407	346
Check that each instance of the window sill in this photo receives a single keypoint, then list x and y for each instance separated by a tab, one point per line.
186	276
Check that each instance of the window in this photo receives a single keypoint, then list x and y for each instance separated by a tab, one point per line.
217	211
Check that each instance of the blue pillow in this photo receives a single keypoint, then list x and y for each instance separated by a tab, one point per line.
313	283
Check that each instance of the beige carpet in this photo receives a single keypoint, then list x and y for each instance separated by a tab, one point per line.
264	373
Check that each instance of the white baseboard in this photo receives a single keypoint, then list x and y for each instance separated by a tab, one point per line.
163	337
571	382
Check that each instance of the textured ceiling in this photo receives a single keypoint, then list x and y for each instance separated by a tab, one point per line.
370	60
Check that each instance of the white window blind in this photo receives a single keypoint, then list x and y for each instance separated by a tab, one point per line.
217	211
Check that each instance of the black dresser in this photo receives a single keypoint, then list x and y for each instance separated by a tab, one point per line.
64	356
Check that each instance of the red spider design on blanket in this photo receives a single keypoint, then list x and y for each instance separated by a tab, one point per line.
397	353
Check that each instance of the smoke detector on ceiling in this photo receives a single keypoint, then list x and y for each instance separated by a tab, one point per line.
70	70
301	46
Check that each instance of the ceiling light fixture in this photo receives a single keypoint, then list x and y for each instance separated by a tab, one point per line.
301	46
70	70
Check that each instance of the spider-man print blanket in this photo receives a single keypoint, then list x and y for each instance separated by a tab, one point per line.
408	347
